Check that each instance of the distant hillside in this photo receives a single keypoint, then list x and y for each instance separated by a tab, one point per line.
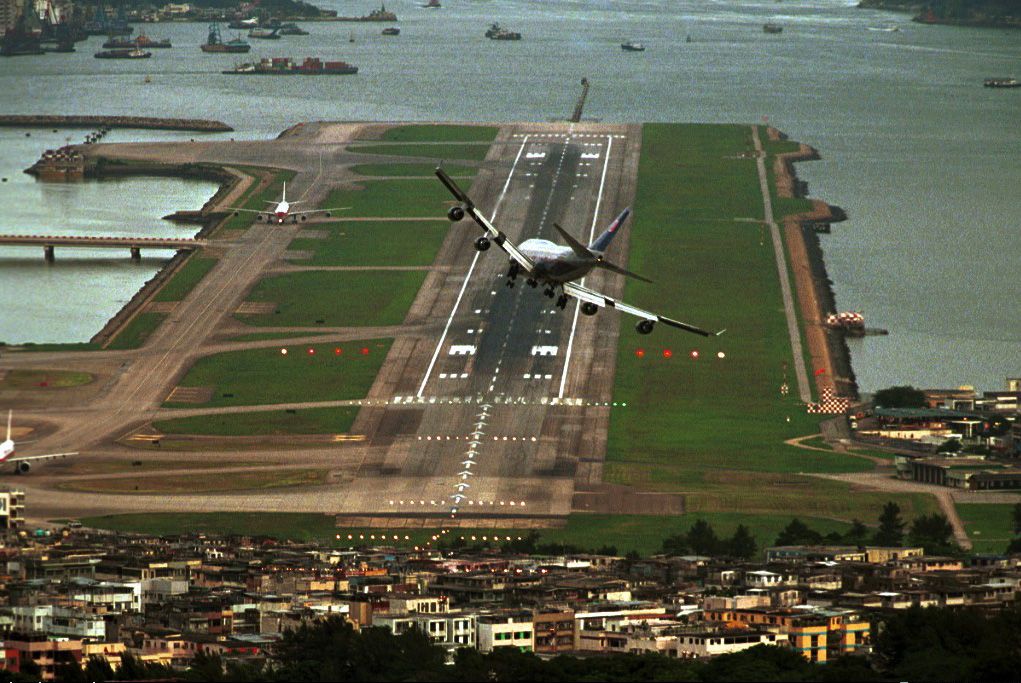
998	13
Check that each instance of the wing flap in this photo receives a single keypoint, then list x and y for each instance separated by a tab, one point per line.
38	458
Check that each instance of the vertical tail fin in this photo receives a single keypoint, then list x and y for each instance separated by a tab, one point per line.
601	243
283	195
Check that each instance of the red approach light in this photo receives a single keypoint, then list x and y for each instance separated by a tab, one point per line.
667	353
365	350
311	352
337	351
640	353
694	354
283	352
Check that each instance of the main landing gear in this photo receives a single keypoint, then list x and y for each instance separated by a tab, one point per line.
482	243
512	273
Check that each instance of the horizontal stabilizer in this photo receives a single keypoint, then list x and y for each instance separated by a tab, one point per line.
576	246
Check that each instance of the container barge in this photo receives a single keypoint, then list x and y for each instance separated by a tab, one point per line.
284	66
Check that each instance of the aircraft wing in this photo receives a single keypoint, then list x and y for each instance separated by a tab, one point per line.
237	209
308	212
40	458
591	296
491	231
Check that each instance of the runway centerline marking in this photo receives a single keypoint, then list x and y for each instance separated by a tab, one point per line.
592	233
471	269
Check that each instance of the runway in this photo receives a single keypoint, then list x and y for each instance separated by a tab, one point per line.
492	404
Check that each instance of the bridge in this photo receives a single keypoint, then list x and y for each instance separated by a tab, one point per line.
134	244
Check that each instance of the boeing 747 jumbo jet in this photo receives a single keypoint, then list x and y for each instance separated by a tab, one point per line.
556	266
22	464
282	210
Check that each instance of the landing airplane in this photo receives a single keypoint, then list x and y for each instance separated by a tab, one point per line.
22	464
557	266
282	210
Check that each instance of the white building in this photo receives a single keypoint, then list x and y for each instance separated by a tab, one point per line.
506	630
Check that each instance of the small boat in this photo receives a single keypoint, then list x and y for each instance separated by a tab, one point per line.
292	30
123	54
433	4
264	34
631	46
497	32
391	31
885	29
1002	83
772	28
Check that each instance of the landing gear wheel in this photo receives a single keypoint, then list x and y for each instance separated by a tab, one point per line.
455	214
482	244
532	283
562	301
548	292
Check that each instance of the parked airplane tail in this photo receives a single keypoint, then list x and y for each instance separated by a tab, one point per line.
602	242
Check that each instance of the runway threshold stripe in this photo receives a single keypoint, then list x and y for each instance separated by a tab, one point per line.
471	269
592	234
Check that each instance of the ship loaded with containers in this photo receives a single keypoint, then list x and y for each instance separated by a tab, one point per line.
284	66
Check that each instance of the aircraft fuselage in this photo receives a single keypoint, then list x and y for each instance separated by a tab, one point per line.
553	262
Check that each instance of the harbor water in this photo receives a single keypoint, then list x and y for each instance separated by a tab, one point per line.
925	160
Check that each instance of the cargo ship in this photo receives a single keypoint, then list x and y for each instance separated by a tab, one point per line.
215	42
292	30
1002	83
381	14
141	41
631	46
285	66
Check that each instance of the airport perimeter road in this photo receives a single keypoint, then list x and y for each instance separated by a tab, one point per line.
492	415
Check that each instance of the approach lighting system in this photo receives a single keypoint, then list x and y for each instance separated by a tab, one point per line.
721	355
640	353
311	352
365	350
694	354
337	351
667	353
283	352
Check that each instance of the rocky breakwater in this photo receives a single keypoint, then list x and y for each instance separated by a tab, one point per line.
142	122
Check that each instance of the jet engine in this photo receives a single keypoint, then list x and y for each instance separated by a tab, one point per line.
455	214
22	467
589	308
645	326
260	217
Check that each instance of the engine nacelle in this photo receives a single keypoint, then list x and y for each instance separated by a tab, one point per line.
303	218
482	243
645	326
455	214
589	308
261	217
22	467
328	214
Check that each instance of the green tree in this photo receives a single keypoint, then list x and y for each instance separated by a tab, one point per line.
676	544
742	543
857	535
934	533
702	539
900	397
891	526
798	533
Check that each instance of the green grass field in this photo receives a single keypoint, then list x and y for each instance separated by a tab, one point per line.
336	299
185	279
199	483
990	526
44	379
396	198
714	427
644	534
375	243
418	132
439	151
269	423
414	169
266	376
134	334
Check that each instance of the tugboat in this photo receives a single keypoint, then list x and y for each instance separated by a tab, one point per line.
215	42
391	31
142	41
134	53
284	66
631	46
292	30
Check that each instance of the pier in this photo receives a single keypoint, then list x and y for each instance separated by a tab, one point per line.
134	244
56	121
